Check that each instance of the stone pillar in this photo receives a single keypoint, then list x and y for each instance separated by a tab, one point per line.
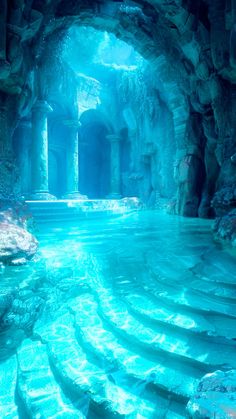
115	181
39	156
9	182
72	161
5	67
24	137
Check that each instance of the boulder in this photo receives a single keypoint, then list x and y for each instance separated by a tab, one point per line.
215	397
17	245
225	228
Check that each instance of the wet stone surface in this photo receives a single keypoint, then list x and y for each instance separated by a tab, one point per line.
116	318
215	396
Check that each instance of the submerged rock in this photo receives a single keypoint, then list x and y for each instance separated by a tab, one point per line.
215	397
17	245
225	228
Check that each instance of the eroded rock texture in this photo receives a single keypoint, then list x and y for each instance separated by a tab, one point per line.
215	396
190	47
225	228
17	245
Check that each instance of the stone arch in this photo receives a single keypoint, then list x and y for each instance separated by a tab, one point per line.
98	117
94	154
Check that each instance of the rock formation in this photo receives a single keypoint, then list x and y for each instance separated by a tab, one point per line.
190	48
215	396
17	245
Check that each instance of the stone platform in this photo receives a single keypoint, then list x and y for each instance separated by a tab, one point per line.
66	210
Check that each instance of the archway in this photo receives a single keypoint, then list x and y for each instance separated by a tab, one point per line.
94	155
55	175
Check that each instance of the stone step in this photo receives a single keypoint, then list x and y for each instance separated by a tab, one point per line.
128	364
128	282
202	276
175	312
63	211
194	296
146	310
221	323
208	271
199	353
85	379
179	271
181	295
198	302
37	387
85	205
8	379
67	217
221	264
174	289
223	293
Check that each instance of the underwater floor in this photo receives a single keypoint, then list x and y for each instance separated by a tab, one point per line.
117	317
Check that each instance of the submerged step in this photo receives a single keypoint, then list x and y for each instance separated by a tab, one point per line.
8	379
127	364
85	378
201	354
145	307
209	321
178	294
37	387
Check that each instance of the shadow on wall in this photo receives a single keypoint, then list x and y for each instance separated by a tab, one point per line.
94	158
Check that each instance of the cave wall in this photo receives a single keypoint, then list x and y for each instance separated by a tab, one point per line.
191	48
147	127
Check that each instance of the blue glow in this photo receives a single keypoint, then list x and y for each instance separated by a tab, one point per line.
85	46
116	324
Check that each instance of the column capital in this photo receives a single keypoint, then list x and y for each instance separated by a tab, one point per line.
113	138
42	106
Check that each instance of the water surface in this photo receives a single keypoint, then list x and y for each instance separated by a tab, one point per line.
117	317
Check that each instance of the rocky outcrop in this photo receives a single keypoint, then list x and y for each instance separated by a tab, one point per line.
17	245
225	228
215	397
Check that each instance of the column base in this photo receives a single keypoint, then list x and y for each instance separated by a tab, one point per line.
75	195
114	196
42	196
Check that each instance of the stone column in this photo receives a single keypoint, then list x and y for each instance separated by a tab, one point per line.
9	185
5	67
39	156
24	137
72	161
115	181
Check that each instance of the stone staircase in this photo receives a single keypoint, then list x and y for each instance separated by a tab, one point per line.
116	340
64	211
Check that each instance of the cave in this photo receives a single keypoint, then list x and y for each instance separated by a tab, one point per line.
117	209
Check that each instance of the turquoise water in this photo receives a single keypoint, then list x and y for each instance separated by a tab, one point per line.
117	317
